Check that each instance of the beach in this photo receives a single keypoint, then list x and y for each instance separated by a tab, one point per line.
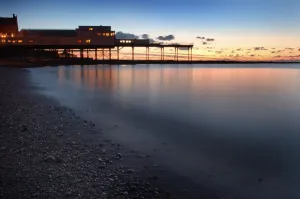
47	151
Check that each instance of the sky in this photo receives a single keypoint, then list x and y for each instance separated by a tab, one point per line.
240	29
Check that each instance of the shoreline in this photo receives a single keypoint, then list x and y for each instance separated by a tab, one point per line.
66	62
47	151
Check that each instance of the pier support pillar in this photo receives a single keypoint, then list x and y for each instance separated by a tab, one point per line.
110	54
81	53
118	51
102	53
132	53
147	53
87	53
96	58
191	53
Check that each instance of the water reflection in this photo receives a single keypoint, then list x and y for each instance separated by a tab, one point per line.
217	85
239	123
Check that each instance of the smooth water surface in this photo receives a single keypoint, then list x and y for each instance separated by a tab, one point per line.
223	126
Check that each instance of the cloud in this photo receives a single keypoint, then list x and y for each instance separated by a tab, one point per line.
145	36
239	49
289	48
166	38
252	55
294	56
260	48
299	49
122	35
210	39
204	43
219	52
152	40
278	56
200	37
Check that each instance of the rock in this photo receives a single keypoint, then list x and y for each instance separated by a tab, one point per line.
119	155
130	171
260	180
103	166
24	128
51	158
210	175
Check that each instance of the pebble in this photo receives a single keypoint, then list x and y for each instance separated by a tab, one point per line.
260	180
119	155
130	171
35	164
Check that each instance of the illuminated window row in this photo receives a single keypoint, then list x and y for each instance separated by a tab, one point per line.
11	41
125	41
5	35
86	41
106	34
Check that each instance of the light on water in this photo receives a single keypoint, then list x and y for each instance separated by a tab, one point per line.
239	122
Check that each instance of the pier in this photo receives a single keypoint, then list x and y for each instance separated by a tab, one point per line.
100	40
101	52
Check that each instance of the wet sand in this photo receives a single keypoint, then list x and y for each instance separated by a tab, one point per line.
47	151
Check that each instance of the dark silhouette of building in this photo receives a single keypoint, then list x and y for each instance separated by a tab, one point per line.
9	25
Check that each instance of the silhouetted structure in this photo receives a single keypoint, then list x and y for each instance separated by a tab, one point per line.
9	25
83	38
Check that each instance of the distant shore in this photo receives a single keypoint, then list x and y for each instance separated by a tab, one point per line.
57	62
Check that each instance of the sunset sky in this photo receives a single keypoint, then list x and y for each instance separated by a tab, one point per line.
241	29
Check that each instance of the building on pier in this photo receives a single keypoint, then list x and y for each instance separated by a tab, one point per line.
81	39
9	26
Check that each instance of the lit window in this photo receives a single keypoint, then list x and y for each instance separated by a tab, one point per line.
129	41
3	41
13	41
20	41
12	34
88	41
9	41
30	41
112	34
107	34
79	41
90	28
99	34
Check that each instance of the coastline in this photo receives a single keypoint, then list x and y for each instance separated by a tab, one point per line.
47	151
66	62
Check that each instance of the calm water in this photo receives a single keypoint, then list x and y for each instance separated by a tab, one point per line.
234	123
